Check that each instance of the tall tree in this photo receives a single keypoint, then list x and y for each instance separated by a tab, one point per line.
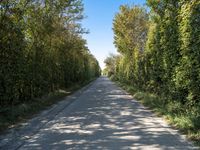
42	49
130	28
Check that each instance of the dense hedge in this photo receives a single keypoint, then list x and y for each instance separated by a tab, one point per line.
169	64
41	49
187	75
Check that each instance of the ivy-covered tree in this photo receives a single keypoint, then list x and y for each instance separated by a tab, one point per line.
187	76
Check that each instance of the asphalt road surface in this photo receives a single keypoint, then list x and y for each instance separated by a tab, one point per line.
101	116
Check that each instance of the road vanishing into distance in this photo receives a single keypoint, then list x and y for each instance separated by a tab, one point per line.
99	116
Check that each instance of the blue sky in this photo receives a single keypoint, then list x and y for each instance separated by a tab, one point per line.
99	17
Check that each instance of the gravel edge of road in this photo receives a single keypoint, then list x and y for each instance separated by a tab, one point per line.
16	137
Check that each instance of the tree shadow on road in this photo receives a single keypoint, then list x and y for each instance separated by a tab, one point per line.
106	119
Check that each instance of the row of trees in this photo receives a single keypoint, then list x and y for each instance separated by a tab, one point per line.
159	50
41	48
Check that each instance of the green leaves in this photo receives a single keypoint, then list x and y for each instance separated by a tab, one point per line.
130	28
167	60
41	49
187	73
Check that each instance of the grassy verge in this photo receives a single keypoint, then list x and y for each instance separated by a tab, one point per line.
186	121
12	116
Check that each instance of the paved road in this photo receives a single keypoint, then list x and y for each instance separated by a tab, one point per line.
104	117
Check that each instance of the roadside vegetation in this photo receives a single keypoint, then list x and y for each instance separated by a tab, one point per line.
159	59
41	52
13	116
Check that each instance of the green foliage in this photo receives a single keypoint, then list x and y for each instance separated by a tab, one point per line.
187	77
41	49
166	62
154	59
130	28
111	62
